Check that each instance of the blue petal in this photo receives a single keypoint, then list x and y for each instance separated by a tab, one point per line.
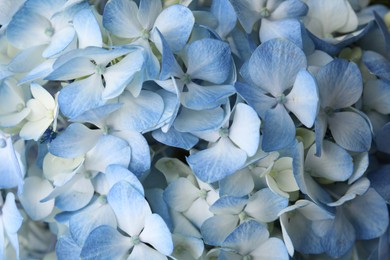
208	59
382	139
25	60
277	72
239	184
130	207
196	121
175	138
87	29
351	131
289	29
80	96
83	222
108	150
180	194
10	173
218	161
97	116
75	141
75	68
142	251
76	197
334	163
340	84
157	234
377	64
368	214
60	41
376	95
12	220
169	65
383	28
120	18
289	9
105	242
246	13
156	201
226	16
67	249
27	29
115	173
278	129
245	129
380	181
247	237
143	116
256	98
205	97
175	24
228	205
140	151
148	12
304	107
216	229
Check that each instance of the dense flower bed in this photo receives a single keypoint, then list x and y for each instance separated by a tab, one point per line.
224	129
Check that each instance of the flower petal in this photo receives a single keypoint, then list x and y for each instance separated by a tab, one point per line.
217	162
289	29
87	29
216	229
180	194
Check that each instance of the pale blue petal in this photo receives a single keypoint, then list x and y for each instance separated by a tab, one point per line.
247	237
45	7
380	22
25	60
239	184
382	138
209	60
75	141
180	194
226	16
334	164
34	190
218	161
340	84
83	222
256	98
155	197
274	65
376	95
357	189
130	207
175	138
205	97
169	65
80	96
245	129
108	150
97	116
67	249
228	205
87	29
60	41
75	197
360	165
351	131
289	9
289	29
115	173
143	116
75	68
105	242
377	64
368	214
157	234
140	152
380	180
142	251
196	121
175	24
304	107
246	13
228	255
278	129
12	220
27	29
338	235
171	108
273	248
10	173
120	18
120	74
216	229
265	205
39	72
148	12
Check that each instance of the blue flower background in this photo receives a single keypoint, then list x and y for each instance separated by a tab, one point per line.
194	129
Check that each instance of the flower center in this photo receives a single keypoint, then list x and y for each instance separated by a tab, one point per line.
102	199
243	216
49	31
264	12
203	194
186	79
145	34
329	111
281	99
135	240
223	132
100	69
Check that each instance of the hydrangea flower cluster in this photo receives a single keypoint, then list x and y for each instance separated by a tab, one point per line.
194	129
